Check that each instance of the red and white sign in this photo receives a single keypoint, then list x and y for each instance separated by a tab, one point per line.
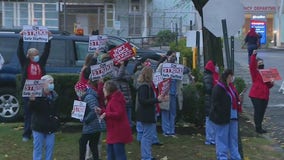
79	108
32	87
270	74
101	70
164	86
35	33
157	78
96	42
172	70
121	53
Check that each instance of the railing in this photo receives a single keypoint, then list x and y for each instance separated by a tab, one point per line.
143	42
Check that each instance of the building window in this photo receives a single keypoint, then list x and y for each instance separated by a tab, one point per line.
17	14
135	6
109	15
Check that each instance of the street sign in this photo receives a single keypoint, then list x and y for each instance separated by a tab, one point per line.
230	10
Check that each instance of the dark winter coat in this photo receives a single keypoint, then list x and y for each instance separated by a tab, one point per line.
91	122
146	106
220	112
44	114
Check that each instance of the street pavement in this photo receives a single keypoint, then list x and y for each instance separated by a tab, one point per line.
273	121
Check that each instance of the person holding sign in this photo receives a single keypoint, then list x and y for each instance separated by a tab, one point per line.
118	129
146	111
33	68
259	92
92	125
44	121
169	108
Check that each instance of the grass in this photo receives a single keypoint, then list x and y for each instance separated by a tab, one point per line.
188	146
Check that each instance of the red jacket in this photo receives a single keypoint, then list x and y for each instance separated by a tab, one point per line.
117	124
259	89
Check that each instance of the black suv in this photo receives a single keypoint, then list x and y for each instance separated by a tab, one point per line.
67	55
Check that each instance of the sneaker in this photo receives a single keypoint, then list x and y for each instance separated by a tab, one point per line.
173	135
25	139
166	134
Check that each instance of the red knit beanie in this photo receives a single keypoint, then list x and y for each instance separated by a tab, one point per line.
80	86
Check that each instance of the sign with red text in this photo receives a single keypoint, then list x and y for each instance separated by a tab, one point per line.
270	74
79	108
32	87
101	70
172	70
121	53
164	86
35	33
157	78
96	42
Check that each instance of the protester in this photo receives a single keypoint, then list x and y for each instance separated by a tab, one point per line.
252	42
33	68
44	120
224	115
122	78
139	128
146	113
91	59
91	123
168	109
118	131
210	79
259	92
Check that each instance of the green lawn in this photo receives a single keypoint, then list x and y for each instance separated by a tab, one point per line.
188	146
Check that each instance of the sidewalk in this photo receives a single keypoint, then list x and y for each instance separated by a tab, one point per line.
273	120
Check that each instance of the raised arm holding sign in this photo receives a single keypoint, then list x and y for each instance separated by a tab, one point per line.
270	74
122	53
35	33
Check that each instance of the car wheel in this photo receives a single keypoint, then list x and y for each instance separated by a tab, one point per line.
9	105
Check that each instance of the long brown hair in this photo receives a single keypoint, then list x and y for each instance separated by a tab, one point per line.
146	75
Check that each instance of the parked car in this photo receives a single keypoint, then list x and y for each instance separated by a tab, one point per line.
67	55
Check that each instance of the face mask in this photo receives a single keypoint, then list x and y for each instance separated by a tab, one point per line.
261	66
51	87
233	79
36	58
217	69
80	93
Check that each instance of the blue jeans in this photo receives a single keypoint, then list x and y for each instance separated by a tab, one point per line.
116	151
139	130
227	141
147	140
129	113
209	131
41	139
168	116
27	119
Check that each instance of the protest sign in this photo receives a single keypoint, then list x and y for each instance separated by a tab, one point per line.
270	74
164	86
101	70
78	110
157	78
32	87
97	42
172	70
121	53
35	33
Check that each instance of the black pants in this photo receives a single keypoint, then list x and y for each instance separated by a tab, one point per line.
259	106
93	143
